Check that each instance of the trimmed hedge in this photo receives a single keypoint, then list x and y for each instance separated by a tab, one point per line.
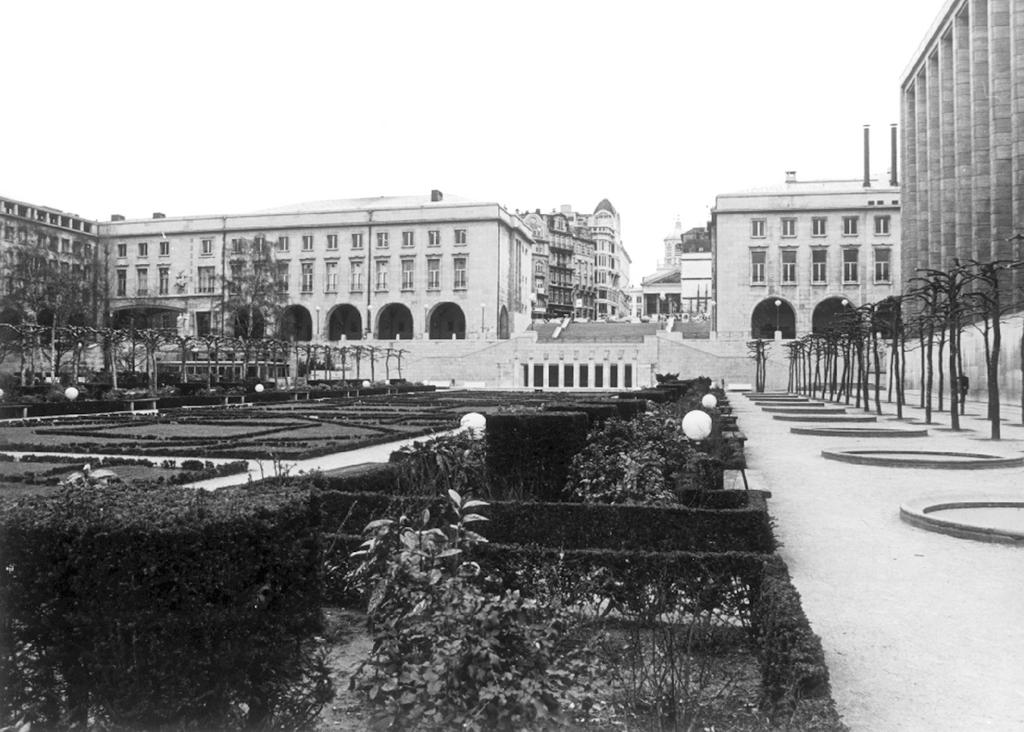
596	413
530	452
168	607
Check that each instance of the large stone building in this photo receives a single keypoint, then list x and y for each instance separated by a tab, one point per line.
387	268
963	137
564	272
787	258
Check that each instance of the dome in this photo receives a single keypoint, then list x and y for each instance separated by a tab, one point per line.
606	205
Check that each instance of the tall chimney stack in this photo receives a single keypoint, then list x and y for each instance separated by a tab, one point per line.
893	181
867	156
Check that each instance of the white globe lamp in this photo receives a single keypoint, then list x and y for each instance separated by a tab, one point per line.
366	383
71	393
474	423
258	388
1	393
708	401
697	425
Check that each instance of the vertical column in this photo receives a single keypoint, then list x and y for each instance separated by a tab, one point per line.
966	244
545	372
576	374
981	224
947	151
1001	127
529	372
908	195
590	371
1017	93
934	110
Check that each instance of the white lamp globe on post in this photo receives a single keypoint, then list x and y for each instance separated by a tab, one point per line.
474	423
258	388
71	393
697	425
709	401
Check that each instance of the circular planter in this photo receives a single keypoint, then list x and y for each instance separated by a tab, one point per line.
923	459
995	520
857	432
804	409
825	418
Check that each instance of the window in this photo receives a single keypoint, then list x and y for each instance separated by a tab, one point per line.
355	283
407	239
76	248
818	226
408	273
203	324
380	274
851	258
143	249
237	247
460	236
881	225
357	241
332	241
206	248
882	257
789	266
122	250
789	227
331	276
433	274
259	242
307	242
849	226
282	276
434	238
236	276
283	244
382	240
122	282
460	273
307	277
757	228
65	246
205	279
757	259
819	265
163	281
165	248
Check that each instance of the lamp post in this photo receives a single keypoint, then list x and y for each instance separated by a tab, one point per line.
316	334
483	318
369	321
778	304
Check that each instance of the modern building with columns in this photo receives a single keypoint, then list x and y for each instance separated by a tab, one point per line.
963	138
391	268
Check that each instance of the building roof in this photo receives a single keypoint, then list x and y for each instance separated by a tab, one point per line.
807	187
370	202
606	205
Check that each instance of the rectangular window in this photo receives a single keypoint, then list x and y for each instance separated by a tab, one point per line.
206	248
165	248
143	249
882	258
818	227
307	242
757	260
789	266
789	227
357	241
122	250
65	246
380	278
164	281
851	258
332	241
205	279
460	236
122	282
282	276
433	238
307	277
236	246
407	239
382	240
355	282
849	226
433	274
757	228
408	273
460	273
283	244
236	276
259	242
331	277
882	225
819	266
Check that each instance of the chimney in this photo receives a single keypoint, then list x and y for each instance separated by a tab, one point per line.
892	165
116	217
435	196
867	156
158	215
791	176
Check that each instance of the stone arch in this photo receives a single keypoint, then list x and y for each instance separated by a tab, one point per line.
345	320
447	320
394	321
770	315
296	324
826	313
503	328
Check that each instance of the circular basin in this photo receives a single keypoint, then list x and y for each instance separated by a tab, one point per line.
824	418
923	459
801	409
999	520
857	432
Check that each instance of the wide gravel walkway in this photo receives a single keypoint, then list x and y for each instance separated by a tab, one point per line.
922	631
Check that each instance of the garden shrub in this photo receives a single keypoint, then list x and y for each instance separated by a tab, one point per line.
596	413
531	451
138	608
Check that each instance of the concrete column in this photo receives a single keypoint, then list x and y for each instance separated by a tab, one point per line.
575	374
1001	127
529	372
545	371
590	372
978	173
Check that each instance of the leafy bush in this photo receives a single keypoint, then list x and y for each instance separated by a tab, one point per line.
529	453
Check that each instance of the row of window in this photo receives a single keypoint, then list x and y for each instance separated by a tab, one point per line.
819	266
206	277
819	226
283	243
54	243
48	217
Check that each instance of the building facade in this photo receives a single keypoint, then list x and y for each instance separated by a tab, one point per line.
787	258
963	138
386	268
567	266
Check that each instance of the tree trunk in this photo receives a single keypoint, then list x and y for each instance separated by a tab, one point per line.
992	368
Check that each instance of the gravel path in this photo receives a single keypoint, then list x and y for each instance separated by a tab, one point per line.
922	631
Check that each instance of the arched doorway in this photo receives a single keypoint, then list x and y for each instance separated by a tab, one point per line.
250	323
503	331
828	314
394	321
446	321
771	315
296	324
345	320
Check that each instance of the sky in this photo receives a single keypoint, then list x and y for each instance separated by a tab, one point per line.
231	107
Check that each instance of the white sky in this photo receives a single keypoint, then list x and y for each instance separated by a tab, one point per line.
211	107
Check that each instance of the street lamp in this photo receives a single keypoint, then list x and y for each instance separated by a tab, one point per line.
316	336
778	304
369	321
483	318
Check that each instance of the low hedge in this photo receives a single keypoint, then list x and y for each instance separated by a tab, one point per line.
532	451
596	413
160	608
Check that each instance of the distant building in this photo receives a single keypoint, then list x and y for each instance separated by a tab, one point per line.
682	285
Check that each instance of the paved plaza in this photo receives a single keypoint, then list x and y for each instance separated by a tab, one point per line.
922	631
